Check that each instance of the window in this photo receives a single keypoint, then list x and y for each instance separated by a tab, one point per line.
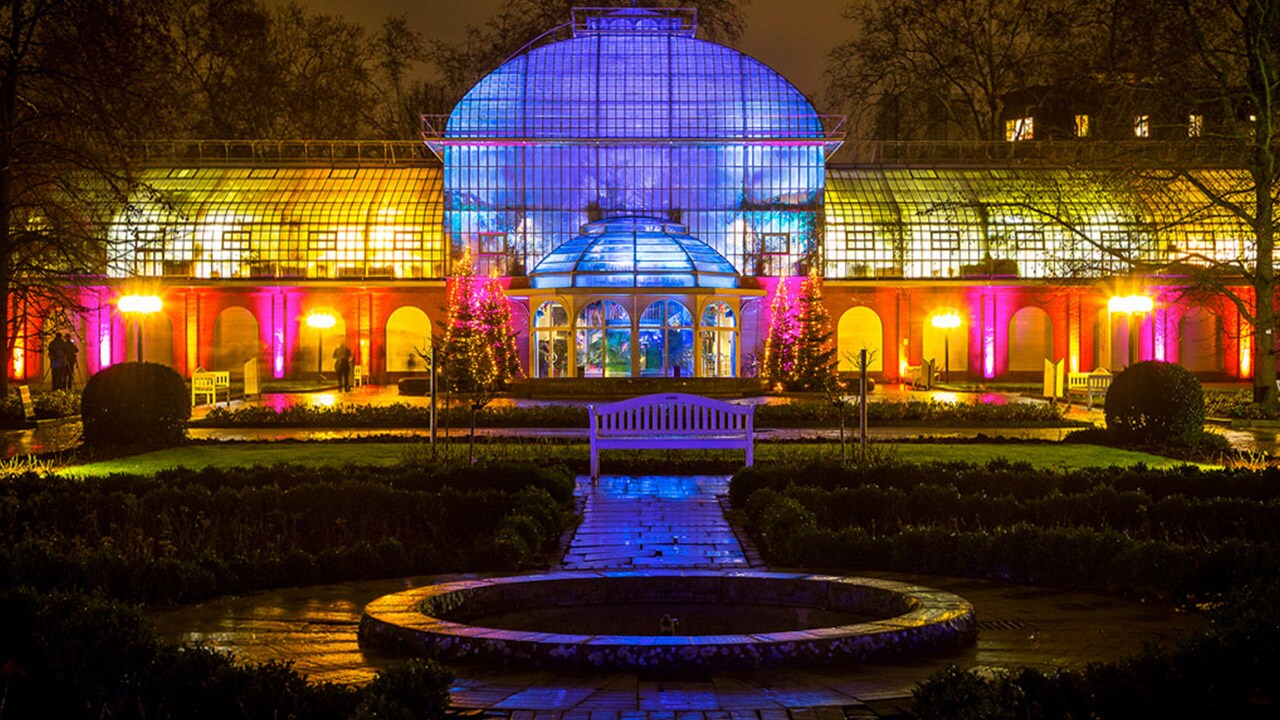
1083	126
1195	126
1018	129
551	338
491	254
775	254
1142	126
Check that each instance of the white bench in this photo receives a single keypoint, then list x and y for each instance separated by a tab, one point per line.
1089	384
207	385
671	421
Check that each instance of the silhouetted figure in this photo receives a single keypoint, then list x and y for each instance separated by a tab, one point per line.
342	366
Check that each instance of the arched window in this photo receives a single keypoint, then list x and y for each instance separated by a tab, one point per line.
603	340
666	340
551	338
719	341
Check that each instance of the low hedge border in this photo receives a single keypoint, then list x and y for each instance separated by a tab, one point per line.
786	415
185	535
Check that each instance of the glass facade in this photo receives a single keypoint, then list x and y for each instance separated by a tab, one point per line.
666	340
634	116
1029	223
603	337
282	222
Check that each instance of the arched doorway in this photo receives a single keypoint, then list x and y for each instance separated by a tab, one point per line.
1200	341
719	341
860	327
1030	340
603	340
408	332
235	340
666	340
956	340
314	351
551	339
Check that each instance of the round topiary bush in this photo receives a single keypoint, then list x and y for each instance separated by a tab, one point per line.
1155	401
135	404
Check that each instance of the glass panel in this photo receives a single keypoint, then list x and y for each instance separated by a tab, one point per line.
553	353
551	314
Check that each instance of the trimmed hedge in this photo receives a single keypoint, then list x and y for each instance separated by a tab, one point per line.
48	404
71	656
795	414
1133	534
135	404
1154	402
187	535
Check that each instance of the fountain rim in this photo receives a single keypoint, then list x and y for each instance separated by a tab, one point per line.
927	607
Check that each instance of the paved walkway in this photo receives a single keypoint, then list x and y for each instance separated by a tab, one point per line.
654	522
676	522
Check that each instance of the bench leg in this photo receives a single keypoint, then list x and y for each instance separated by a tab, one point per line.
595	465
751	455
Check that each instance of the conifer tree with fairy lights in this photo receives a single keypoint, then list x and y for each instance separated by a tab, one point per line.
815	352
780	344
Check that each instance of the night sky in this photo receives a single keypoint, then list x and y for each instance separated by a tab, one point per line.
792	36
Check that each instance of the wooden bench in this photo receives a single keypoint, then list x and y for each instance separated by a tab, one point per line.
671	421
1089	385
207	384
358	377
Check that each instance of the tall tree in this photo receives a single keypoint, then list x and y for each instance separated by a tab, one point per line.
780	343
930	68
493	320
1235	65
815	351
78	78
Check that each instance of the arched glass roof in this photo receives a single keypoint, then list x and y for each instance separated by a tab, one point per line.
634	252
629	75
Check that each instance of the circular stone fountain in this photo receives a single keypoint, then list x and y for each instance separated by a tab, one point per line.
668	621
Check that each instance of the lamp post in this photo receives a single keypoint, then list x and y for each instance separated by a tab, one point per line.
946	322
321	321
1131	306
138	306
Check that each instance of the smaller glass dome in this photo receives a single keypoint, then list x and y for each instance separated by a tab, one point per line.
634	252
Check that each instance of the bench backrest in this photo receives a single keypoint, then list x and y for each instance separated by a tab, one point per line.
203	382
671	412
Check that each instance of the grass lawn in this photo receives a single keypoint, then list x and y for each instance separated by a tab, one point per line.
321	454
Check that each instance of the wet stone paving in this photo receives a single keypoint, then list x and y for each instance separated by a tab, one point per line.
654	522
675	523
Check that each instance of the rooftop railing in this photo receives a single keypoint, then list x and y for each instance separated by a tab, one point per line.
251	152
1205	153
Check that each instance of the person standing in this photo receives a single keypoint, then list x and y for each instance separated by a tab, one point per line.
342	365
57	360
69	353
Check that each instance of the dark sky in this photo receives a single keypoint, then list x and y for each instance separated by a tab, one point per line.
792	36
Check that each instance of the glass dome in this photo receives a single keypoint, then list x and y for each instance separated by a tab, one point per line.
634	74
634	252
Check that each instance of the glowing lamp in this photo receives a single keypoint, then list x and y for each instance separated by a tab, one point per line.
143	304
321	321
1131	304
946	321
139	306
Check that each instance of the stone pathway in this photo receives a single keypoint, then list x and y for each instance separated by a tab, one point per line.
654	522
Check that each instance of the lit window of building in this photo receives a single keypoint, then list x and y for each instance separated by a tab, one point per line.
1142	126
1018	129
1082	126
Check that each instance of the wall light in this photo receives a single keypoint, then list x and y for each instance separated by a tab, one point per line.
139	306
1131	304
946	322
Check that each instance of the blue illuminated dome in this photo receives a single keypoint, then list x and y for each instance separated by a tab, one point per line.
634	252
634	116
634	74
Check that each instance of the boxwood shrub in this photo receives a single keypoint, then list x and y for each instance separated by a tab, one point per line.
135	404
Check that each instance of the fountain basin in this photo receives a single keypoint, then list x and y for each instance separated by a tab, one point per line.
876	619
